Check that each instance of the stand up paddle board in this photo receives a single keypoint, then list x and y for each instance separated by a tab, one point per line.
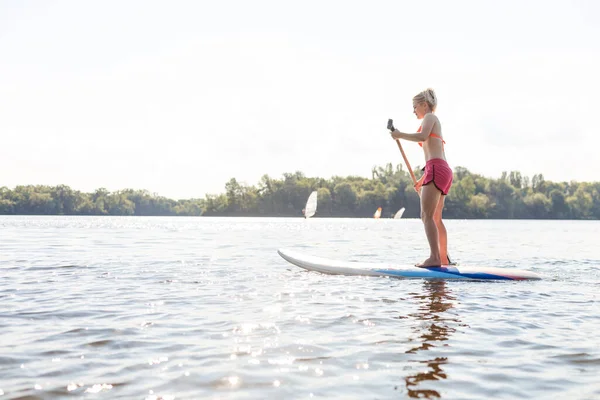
338	267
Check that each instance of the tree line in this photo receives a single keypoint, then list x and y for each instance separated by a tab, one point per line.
511	196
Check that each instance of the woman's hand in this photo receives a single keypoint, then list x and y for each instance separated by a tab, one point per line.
419	184
395	134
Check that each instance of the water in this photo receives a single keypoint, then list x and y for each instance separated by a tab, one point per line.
189	308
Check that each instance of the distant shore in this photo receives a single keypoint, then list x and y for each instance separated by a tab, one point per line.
511	196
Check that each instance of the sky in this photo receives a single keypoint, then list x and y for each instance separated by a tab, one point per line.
177	97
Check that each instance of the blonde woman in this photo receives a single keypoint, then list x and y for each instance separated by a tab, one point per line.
437	179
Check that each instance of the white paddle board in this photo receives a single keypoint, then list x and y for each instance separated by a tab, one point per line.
339	267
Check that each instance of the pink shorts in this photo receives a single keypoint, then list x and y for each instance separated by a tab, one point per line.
438	171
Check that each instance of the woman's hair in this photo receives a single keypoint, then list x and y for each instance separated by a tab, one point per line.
428	96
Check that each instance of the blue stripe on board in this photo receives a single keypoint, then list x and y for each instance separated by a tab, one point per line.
476	275
443	272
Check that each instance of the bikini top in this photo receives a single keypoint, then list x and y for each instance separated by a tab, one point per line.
432	135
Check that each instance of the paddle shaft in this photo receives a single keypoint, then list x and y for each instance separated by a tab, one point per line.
412	174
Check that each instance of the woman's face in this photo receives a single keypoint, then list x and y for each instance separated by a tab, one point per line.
420	109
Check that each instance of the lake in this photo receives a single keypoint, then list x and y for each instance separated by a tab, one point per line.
189	308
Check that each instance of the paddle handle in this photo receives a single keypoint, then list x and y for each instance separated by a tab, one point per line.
412	174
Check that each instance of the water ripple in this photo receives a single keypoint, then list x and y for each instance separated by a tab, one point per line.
174	308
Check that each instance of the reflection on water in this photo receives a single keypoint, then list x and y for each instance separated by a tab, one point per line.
204	308
434	301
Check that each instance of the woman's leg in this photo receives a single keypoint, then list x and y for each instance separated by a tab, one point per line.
430	197
442	234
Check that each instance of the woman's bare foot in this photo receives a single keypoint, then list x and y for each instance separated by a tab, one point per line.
430	262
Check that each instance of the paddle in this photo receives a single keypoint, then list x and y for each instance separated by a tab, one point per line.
390	126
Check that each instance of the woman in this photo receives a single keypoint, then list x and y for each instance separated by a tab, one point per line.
437	179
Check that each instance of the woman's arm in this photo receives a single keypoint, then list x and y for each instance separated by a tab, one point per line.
413	137
426	128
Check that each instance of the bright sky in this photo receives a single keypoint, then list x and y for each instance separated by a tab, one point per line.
177	97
